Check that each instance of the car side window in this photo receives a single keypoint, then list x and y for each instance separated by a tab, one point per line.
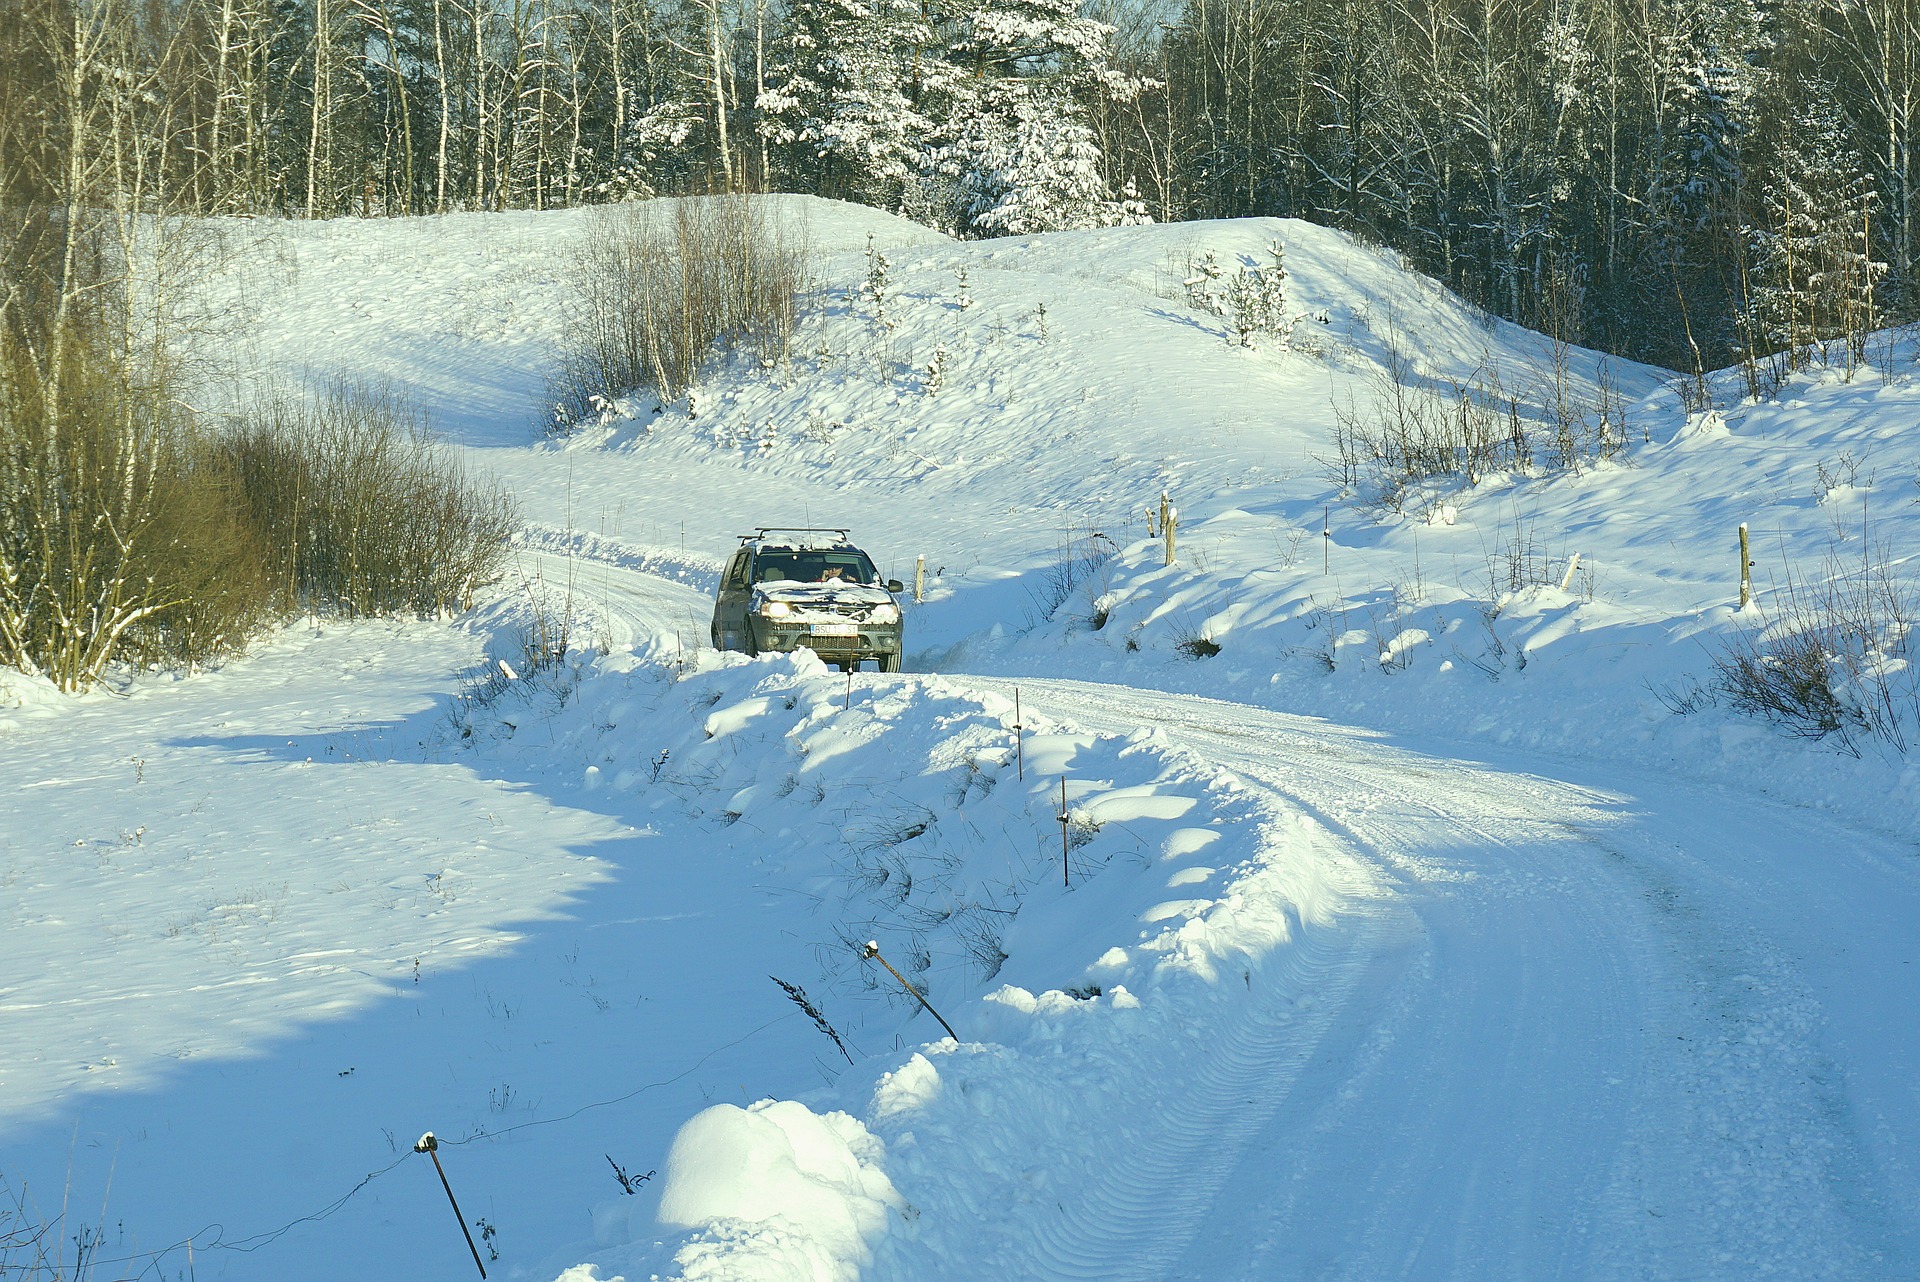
737	572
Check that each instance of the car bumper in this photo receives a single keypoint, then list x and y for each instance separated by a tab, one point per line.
866	643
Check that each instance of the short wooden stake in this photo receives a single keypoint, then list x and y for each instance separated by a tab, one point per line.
1573	568
920	577
1065	846
1326	542
872	953
1746	569
848	703
429	1145
1170	527
1019	740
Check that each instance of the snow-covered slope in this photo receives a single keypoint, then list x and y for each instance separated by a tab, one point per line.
1497	964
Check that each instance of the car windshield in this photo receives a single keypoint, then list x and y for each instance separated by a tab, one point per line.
814	566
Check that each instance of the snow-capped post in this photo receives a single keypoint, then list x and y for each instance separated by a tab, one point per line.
1169	520
872	953
1019	741
1326	541
430	1146
1573	568
847	705
919	578
1065	844
1746	569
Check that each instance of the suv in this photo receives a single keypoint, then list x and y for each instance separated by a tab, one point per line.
807	587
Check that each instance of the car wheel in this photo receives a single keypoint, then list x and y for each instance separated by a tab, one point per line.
889	663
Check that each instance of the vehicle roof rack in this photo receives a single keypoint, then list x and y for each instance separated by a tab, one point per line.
761	532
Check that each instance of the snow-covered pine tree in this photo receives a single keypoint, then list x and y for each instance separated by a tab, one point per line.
839	99
1713	58
656	154
1813	273
1014	122
1038	171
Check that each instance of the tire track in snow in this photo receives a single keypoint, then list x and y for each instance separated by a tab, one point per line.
1449	1180
1489	1086
1597	1064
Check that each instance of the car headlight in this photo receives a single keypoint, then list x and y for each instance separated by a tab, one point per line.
775	609
884	614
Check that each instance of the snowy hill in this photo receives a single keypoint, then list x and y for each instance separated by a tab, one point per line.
1418	911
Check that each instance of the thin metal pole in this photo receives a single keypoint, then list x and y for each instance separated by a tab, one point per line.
1746	569
1019	741
428	1145
1064	847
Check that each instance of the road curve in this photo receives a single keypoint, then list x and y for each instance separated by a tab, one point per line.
1602	1026
1637	1032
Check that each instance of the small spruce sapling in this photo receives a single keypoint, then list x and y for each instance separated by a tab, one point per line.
936	375
1256	300
874	289
1246	306
964	286
1203	284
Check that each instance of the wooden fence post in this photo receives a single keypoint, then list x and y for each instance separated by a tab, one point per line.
919	578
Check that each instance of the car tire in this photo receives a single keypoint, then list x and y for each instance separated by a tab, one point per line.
889	662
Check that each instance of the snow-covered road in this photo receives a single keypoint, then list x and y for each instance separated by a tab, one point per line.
1592	1024
1504	1015
1596	1034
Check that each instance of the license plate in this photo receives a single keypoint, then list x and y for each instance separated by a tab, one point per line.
833	630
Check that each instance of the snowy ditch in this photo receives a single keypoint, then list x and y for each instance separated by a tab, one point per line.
896	810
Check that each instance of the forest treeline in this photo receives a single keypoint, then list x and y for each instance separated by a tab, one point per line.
133	529
1692	182
1684	181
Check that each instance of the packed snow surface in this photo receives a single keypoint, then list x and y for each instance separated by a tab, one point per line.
1374	891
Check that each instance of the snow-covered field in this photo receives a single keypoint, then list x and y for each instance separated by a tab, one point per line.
1414	932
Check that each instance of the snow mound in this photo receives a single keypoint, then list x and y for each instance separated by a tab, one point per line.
780	1192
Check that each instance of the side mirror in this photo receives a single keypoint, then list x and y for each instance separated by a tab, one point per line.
895	585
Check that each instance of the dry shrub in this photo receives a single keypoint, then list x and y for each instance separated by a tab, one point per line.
118	539
657	286
1411	432
1834	657
1081	554
360	510
1412	429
